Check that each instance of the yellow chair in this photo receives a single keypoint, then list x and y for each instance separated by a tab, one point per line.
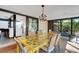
20	47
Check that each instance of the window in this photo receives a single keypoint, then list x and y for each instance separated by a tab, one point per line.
56	26
76	25
66	25
32	25
75	30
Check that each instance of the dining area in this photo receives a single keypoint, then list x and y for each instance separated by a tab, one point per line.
29	34
39	30
40	43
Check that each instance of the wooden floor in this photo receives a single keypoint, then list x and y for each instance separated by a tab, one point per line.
9	49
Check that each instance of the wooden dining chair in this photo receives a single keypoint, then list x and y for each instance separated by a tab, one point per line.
21	47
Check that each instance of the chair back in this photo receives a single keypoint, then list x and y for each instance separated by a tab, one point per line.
57	43
22	48
60	44
52	43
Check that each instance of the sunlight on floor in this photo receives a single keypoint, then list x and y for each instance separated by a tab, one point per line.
72	47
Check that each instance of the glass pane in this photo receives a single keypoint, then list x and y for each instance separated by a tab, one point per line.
56	27
76	25
66	26
20	25
32	25
76	30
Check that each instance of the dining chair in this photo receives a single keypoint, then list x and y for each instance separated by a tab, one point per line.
57	43
51	44
60	45
21	47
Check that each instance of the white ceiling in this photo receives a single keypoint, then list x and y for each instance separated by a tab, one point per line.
52	11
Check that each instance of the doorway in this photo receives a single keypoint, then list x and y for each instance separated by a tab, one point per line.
4	34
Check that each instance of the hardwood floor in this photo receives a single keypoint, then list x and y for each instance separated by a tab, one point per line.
9	49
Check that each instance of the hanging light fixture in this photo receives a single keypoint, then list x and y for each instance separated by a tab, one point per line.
43	16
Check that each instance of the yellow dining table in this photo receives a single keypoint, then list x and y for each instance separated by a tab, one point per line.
33	44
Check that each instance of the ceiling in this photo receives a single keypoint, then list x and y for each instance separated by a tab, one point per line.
52	11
